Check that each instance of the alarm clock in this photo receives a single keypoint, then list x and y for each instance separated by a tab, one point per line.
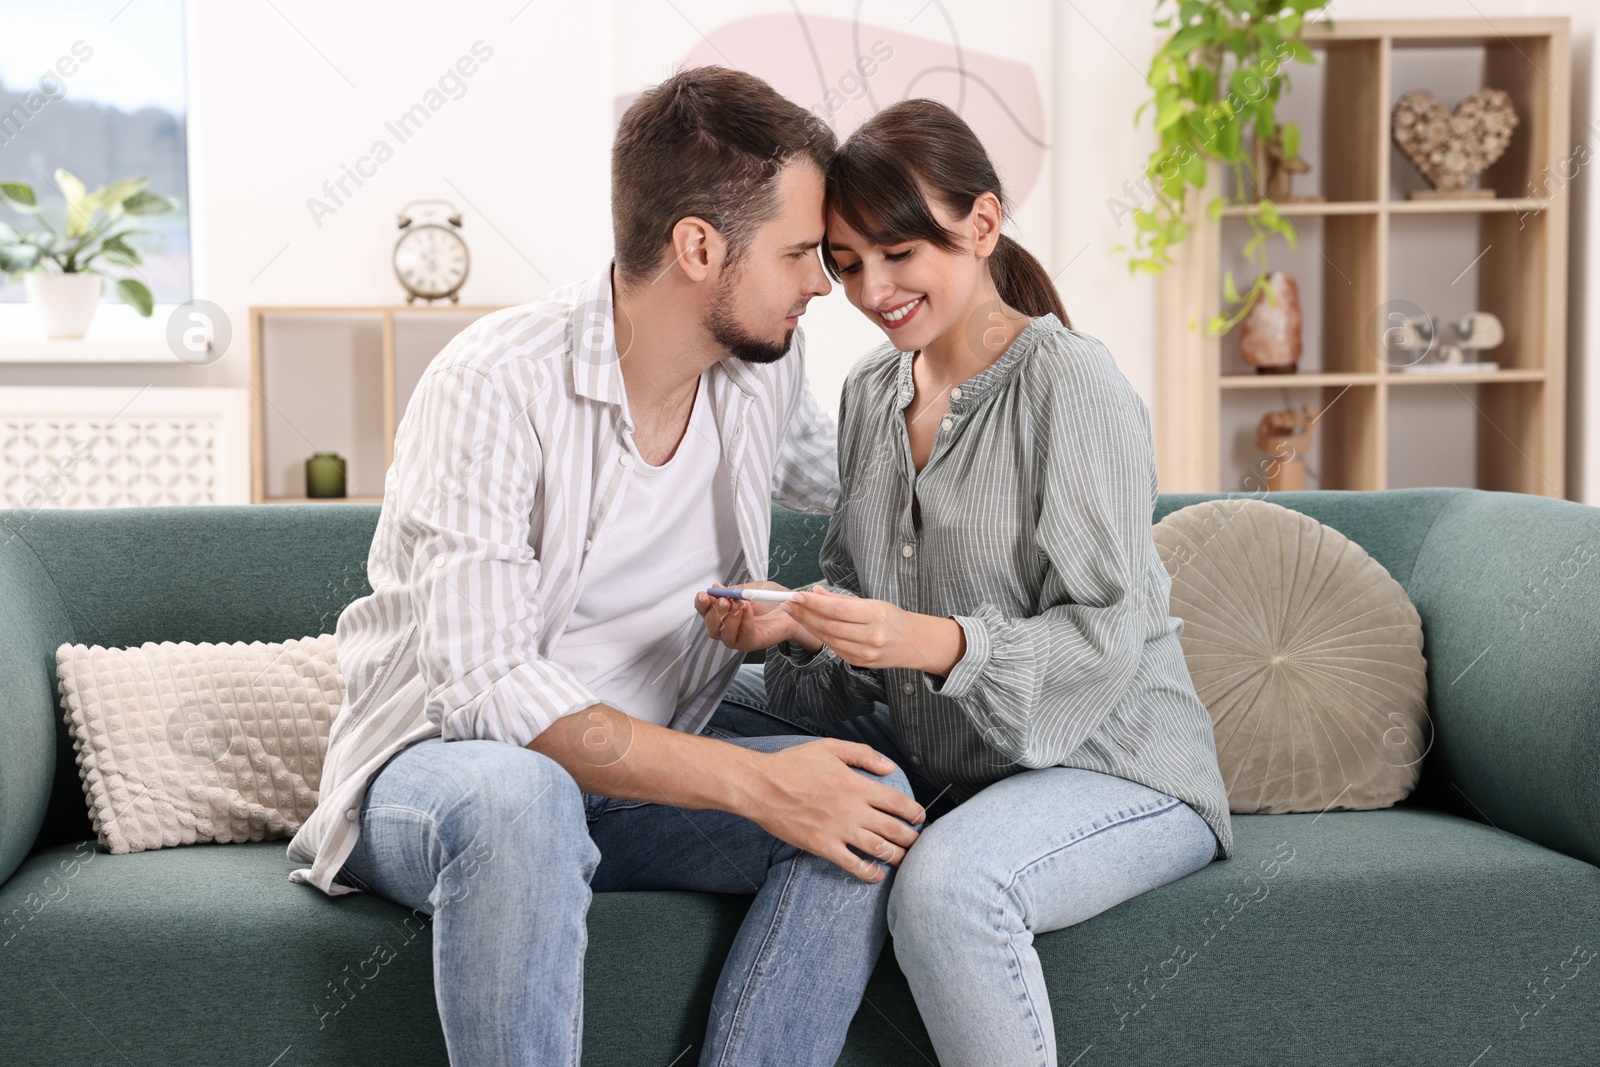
431	259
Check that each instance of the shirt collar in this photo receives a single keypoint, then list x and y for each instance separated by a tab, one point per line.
596	367
985	381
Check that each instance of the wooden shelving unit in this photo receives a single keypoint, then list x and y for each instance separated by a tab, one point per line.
1361	231
337	379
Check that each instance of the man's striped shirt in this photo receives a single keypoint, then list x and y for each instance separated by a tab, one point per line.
507	465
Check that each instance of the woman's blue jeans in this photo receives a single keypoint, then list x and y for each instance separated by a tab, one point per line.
1034	852
500	847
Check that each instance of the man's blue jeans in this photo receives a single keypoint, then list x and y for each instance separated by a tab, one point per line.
1037	851
499	846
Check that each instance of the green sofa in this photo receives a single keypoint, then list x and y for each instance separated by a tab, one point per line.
1455	928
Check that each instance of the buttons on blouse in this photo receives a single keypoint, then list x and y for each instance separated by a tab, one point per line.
947	424
955	394
908	550
908	688
916	759
350	816
587	544
625	459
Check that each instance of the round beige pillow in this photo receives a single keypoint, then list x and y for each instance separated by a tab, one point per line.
1305	651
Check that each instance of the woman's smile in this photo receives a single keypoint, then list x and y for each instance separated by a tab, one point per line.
897	316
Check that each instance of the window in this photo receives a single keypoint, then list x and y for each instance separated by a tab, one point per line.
97	87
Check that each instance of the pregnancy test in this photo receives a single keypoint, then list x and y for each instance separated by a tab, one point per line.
771	596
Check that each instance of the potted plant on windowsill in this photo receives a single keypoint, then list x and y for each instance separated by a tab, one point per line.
64	269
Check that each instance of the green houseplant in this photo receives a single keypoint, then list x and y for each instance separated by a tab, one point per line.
1217	78
63	266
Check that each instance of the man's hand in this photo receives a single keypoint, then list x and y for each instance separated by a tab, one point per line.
807	795
747	625
810	797
876	634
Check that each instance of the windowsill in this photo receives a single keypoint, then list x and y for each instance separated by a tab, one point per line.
118	334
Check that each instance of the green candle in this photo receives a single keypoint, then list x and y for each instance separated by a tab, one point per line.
325	475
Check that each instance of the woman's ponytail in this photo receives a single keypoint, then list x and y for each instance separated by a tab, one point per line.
1023	283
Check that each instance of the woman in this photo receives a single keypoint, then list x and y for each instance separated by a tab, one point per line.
997	619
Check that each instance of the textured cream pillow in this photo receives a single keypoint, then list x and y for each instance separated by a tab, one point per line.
182	743
1305	651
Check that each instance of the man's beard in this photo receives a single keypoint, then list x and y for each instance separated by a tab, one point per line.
719	323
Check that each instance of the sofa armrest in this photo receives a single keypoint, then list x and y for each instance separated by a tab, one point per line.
1508	586
33	624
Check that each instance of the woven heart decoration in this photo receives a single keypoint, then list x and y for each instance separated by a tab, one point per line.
1451	148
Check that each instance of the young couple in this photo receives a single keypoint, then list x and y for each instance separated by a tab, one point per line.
982	729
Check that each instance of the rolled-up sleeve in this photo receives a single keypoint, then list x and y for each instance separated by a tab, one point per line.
472	467
1037	687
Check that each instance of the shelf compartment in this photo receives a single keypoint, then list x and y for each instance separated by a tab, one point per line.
1350	72
1469	434
1335	256
1453	69
1448	266
320	393
1345	446
1433	436
338	379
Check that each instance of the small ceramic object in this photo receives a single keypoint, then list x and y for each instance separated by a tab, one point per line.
325	475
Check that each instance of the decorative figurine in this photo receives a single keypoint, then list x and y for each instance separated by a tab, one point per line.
1283	437
1477	332
1270	340
1275	170
1450	149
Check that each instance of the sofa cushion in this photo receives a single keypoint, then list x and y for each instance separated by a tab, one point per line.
1391	525
124	576
1307	654
1392	936
180	742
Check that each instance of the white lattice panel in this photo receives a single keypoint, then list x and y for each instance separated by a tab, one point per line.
108	447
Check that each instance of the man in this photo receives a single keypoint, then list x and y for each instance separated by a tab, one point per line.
526	684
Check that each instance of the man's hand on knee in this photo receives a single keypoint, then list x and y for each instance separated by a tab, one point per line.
813	798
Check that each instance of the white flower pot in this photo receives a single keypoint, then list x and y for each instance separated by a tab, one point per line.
65	303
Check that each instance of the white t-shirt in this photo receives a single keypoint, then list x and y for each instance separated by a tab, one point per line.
675	534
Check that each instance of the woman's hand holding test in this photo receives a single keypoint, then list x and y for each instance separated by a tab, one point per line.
875	633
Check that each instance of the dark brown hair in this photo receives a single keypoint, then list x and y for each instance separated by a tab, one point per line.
881	179
707	142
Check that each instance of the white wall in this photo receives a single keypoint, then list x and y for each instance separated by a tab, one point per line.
523	152
282	102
